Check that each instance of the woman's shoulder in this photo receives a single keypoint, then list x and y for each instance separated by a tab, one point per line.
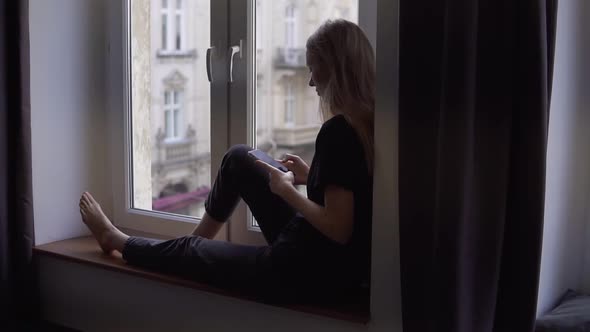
336	125
336	131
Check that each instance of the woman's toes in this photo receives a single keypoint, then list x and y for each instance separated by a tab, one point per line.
91	198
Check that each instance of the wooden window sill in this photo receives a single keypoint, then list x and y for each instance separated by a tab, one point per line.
85	250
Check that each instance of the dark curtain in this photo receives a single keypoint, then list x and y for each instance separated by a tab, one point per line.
18	297
475	82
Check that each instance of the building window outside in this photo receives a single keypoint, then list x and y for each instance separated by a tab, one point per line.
164	24
290	26
289	104
172	25
172	114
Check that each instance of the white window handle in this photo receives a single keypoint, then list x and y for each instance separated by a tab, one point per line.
234	49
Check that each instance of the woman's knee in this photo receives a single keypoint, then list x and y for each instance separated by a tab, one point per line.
236	158
238	151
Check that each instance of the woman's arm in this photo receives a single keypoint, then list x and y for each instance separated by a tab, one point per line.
334	220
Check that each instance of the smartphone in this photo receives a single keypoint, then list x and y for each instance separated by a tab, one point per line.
261	155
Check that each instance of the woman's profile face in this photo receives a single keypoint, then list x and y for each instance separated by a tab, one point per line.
317	73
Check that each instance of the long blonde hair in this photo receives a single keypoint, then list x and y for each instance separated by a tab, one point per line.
347	56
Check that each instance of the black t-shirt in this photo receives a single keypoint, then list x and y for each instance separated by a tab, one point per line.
339	160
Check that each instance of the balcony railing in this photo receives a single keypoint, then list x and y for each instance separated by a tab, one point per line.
296	136
177	151
290	58
168	152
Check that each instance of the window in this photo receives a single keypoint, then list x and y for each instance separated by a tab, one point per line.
172	25
172	114
168	123
175	142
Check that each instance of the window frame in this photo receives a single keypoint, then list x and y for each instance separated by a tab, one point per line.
168	224
120	99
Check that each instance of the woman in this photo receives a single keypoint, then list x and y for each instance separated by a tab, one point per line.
318	247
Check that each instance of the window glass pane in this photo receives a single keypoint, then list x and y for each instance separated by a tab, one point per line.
178	32
287	109
168	124
176	122
170	109
166	97
164	30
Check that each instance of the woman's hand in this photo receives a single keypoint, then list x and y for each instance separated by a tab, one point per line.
296	165
280	182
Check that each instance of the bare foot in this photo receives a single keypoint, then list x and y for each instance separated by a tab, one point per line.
108	236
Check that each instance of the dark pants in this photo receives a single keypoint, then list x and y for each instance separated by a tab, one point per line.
246	268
